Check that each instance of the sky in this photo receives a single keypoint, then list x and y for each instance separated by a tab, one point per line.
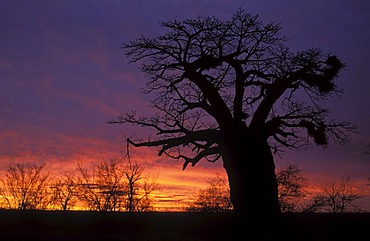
63	75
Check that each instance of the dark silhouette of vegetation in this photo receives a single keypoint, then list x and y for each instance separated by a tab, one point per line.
215	198
102	187
25	187
294	197
292	184
337	197
138	194
210	217
233	90
332	197
64	192
114	185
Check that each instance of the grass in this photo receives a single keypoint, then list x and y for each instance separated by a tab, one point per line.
176	226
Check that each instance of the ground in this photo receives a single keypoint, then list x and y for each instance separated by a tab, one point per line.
156	226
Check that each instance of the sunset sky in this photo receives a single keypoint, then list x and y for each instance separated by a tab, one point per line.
63	76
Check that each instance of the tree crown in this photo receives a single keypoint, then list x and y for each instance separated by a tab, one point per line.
210	77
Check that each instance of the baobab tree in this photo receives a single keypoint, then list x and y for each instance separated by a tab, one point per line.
232	90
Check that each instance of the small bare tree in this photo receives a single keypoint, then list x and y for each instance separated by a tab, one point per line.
215	198
102	188
139	188
291	186
148	186
337	197
25	187
64	192
117	185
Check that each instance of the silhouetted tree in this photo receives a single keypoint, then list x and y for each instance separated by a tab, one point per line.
291	186
133	175
139	188
144	201
25	187
102	188
233	90
64	191
337	197
116	185
215	198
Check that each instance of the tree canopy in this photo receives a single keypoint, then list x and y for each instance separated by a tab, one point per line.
208	74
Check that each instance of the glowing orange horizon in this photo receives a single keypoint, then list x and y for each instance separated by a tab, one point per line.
177	187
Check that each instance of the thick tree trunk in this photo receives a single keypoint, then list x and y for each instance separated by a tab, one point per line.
250	167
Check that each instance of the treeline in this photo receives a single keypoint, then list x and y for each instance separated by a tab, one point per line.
113	185
296	194
120	185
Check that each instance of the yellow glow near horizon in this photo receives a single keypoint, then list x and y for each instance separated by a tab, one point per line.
177	188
